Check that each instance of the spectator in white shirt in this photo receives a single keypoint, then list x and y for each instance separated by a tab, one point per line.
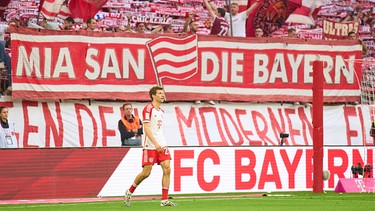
238	22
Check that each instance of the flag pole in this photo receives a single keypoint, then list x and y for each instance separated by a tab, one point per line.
39	8
229	4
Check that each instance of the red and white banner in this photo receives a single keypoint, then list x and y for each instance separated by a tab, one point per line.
338	30
82	64
69	172
82	123
307	13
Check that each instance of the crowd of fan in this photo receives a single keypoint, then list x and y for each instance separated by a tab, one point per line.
220	19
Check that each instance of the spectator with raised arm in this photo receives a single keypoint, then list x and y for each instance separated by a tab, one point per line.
238	20
352	36
220	26
190	25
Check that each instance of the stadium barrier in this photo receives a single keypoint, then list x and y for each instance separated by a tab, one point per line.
57	173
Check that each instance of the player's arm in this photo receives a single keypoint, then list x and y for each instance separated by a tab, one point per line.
147	129
209	8
251	8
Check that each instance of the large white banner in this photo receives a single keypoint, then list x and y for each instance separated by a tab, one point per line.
238	169
109	171
95	124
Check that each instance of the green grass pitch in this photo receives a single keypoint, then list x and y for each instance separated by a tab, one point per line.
285	201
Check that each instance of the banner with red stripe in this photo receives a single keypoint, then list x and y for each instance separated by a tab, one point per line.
82	64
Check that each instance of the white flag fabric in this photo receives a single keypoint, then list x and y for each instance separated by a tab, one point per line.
174	58
305	14
53	8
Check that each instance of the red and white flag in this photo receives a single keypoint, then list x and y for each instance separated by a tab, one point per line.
85	9
174	58
53	8
82	9
306	14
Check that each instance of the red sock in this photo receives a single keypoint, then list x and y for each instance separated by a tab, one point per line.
132	188
164	195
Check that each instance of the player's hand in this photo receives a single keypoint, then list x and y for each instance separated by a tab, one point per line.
159	148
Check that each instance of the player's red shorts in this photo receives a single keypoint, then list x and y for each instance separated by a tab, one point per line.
151	156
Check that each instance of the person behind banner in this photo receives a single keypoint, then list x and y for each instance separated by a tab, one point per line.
91	24
352	36
42	24
238	20
5	65
259	32
168	29
68	25
220	26
8	137
292	33
2	51
191	26
141	28
130	127
155	148
121	28
124	29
